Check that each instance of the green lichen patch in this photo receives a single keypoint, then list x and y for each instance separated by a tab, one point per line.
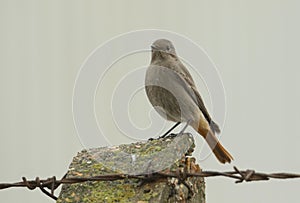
135	158
144	157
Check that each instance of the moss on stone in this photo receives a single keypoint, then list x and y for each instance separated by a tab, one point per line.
158	155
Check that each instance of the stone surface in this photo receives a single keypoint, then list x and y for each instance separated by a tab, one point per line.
168	154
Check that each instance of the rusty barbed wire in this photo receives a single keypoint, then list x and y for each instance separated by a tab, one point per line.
52	183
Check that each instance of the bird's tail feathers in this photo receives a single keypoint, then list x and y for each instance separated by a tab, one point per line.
219	151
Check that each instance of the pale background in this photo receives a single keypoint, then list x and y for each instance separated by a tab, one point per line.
255	45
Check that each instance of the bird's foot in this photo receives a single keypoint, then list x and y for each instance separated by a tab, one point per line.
170	130
166	134
172	135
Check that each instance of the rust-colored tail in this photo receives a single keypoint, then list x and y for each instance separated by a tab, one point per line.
220	152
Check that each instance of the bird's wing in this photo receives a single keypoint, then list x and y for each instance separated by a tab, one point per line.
188	78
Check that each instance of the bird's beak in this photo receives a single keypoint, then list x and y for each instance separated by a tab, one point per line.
154	48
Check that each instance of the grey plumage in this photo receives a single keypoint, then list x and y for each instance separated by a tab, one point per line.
171	90
164	59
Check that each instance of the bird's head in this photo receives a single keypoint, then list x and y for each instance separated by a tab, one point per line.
163	46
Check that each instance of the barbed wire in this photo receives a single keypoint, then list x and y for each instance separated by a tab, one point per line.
52	183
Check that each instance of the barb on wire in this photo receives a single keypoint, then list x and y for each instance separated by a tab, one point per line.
52	183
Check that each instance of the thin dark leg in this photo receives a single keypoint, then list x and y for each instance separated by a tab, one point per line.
166	133
186	125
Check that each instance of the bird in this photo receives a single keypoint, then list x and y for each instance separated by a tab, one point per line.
171	90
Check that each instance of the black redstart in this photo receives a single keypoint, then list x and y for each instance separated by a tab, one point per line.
172	91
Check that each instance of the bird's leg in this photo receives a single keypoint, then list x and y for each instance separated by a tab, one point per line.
186	125
180	133
172	128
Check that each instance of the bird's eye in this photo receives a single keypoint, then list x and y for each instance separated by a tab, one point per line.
168	48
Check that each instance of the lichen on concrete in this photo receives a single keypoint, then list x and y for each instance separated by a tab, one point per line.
136	158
